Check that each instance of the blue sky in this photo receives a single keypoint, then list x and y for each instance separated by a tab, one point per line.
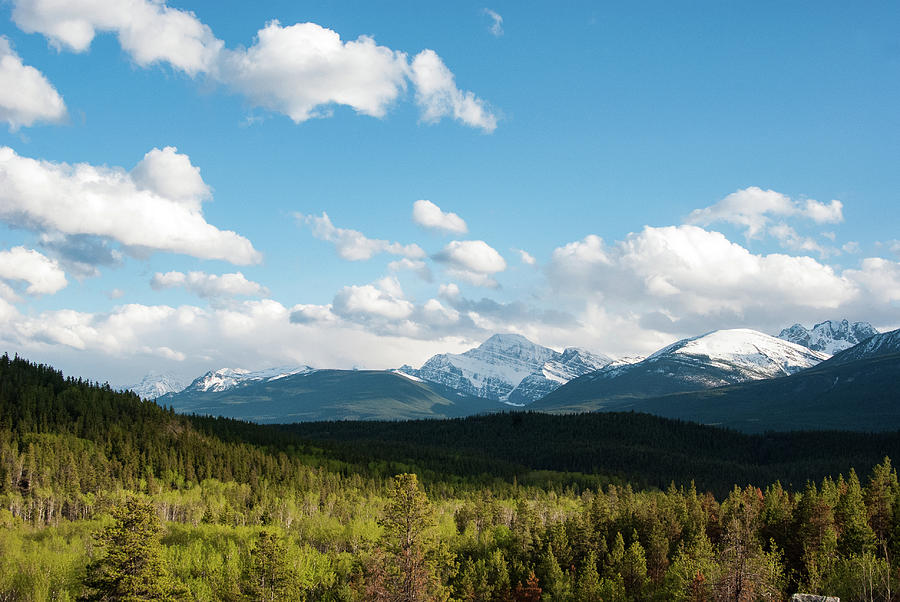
195	185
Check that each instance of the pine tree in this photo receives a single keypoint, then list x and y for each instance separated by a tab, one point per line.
133	567
411	549
268	576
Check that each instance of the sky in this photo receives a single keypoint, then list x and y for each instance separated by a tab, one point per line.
187	185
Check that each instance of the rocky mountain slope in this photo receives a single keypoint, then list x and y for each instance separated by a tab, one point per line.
830	336
879	344
508	368
715	359
157	384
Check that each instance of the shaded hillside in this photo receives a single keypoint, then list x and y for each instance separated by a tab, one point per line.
331	395
715	359
639	448
862	395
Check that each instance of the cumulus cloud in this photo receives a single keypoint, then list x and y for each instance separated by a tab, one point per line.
26	97
171	175
753	209
438	96
687	269
416	266
473	256
302	69
383	299
42	274
429	215
496	27
209	285
83	199
353	245
299	70
473	261
150	32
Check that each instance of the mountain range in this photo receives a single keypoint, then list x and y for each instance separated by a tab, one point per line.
829	337
509	371
508	368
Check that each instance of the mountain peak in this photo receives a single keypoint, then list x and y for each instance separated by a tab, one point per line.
830	336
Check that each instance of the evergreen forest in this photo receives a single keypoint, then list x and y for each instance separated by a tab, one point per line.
105	496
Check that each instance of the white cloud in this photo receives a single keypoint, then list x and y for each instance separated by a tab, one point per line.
210	285
473	256
750	207
171	175
416	266
311	314
353	245
753	208
26	97
429	215
108	202
496	27
437	94
851	247
43	275
879	277
449	291
436	314
149	31
832	213
299	70
302	69
790	239
690	271
384	299
526	257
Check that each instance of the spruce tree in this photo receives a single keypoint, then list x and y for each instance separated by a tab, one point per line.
268	576
133	567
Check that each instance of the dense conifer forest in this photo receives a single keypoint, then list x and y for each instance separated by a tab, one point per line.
107	496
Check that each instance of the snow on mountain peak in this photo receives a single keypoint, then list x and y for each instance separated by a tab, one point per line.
509	368
227	378
763	355
830	336
156	384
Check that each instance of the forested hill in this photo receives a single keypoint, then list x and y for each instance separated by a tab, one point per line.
91	437
639	448
515	507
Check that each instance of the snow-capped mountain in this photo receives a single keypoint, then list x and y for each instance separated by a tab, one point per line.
718	358
157	384
228	378
830	336
571	363
879	344
751	354
495	369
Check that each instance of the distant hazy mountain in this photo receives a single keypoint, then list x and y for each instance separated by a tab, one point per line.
157	384
718	358
830	336
325	395
879	344
508	368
